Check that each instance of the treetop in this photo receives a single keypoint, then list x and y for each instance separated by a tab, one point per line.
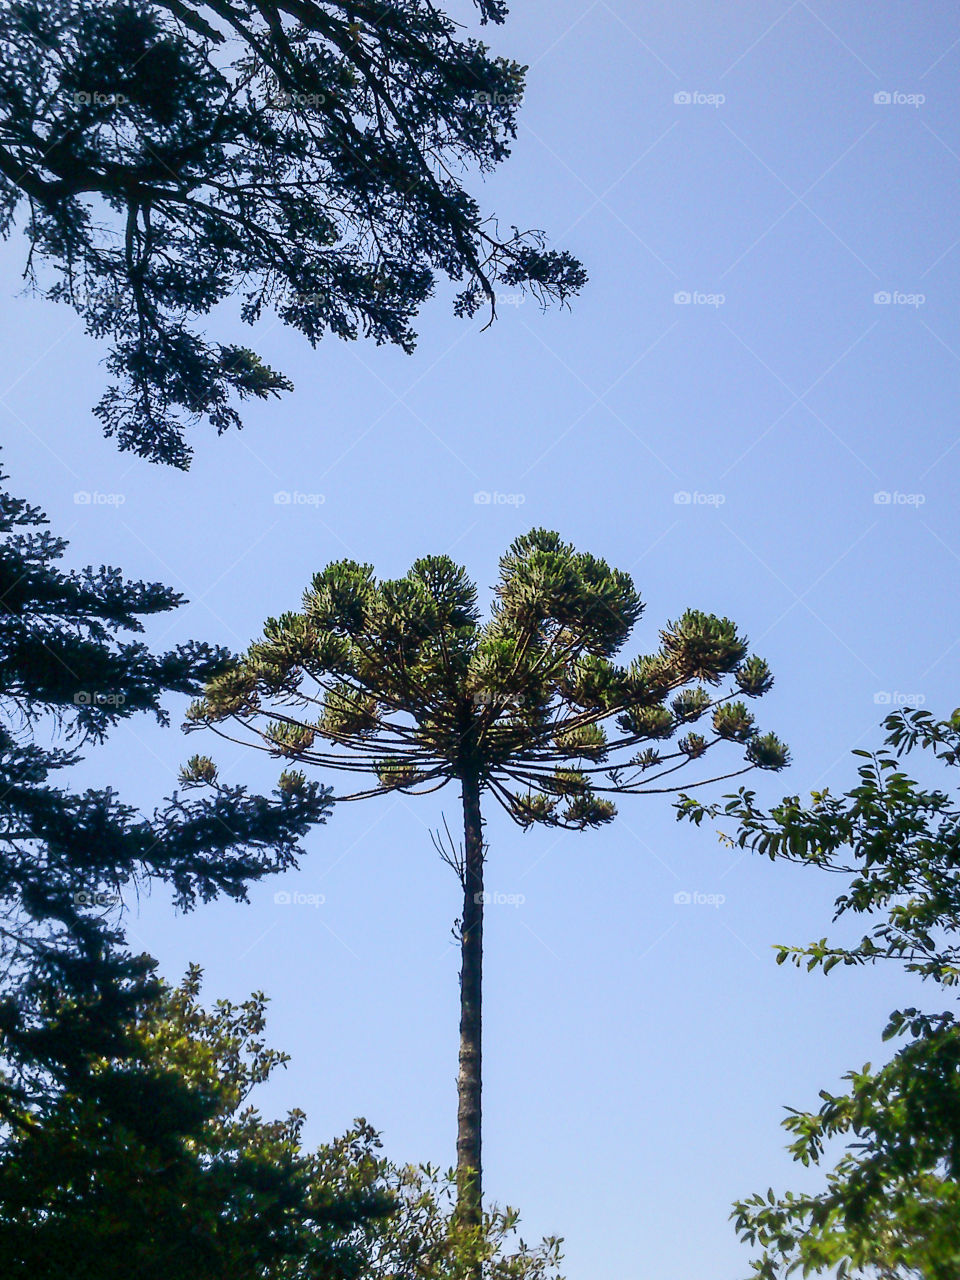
405	680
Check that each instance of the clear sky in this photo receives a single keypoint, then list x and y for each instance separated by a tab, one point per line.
638	1052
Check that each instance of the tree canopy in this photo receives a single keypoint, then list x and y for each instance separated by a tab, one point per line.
128	1139
304	155
403	681
891	1206
157	1163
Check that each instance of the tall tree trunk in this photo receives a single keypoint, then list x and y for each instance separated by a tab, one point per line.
469	1168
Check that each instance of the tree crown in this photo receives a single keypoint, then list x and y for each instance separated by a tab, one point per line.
404	681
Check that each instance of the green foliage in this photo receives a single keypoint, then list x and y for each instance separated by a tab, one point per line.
766	751
197	771
302	154
404	681
733	721
395	775
703	647
891	1205
694	745
754	677
690	704
103	1170
290	739
156	1164
160	1165
587	742
426	1240
347	713
648	722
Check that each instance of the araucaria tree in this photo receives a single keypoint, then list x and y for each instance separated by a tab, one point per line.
306	155
403	682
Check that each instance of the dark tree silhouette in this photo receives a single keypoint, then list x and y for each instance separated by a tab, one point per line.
67	666
304	154
200	1186
155	1163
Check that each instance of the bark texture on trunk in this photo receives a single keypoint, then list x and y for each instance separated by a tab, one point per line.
469	1167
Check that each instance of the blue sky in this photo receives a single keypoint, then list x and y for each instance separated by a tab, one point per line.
638	1052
